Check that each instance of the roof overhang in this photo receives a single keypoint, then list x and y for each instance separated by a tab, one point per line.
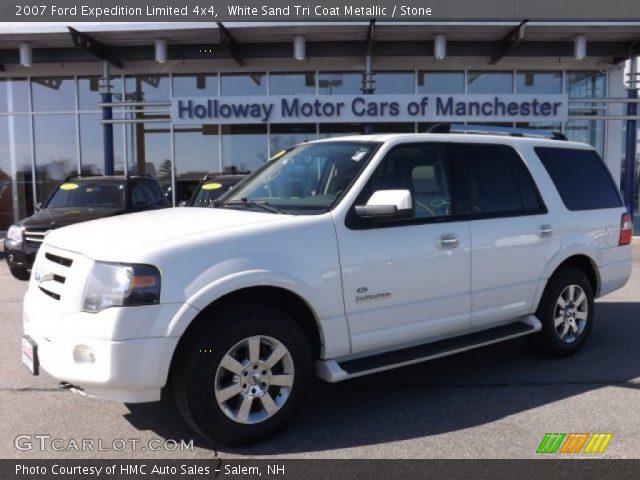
51	42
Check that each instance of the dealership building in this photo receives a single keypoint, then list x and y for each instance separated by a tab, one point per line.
191	98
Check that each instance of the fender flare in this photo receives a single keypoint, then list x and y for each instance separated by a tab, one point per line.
560	256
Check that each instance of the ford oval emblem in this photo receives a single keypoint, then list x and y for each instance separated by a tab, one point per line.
362	290
37	275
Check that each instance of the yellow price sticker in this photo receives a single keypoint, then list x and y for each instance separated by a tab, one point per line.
211	186
68	186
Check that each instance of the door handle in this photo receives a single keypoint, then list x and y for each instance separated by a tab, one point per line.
545	231
447	241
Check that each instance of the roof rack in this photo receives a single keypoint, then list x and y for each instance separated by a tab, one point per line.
495	130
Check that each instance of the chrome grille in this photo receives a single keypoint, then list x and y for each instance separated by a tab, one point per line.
65	262
35	235
51	274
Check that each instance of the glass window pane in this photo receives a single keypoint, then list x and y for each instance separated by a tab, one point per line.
147	88
16	187
489	82
393	127
539	82
541	125
586	131
292	83
91	146
339	83
199	85
394	82
89	97
581	178
3	95
244	84
440	82
586	84
244	146
14	95
151	151
422	169
55	150
328	130
285	136
496	189
53	94
197	153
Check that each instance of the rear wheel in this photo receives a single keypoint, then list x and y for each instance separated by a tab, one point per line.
566	313
241	378
19	273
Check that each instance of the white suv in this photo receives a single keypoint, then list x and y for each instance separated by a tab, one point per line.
342	257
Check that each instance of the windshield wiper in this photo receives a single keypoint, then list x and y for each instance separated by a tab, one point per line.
251	203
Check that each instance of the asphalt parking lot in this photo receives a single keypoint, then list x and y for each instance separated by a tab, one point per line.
496	402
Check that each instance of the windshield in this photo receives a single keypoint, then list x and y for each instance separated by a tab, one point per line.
209	192
88	195
308	178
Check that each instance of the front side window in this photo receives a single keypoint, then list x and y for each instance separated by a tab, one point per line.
88	195
309	178
424	170
499	183
581	178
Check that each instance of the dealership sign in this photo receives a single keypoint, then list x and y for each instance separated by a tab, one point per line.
368	108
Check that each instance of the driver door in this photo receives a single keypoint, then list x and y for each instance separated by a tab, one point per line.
408	281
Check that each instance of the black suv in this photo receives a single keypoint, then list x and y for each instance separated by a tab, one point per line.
76	200
212	187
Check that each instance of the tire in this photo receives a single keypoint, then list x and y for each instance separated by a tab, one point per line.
201	383
19	273
564	330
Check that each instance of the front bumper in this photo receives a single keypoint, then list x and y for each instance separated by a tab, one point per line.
124	369
19	255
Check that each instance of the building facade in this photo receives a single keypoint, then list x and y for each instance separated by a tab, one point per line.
50	111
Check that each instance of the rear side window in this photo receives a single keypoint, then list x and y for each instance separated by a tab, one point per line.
499	183
581	178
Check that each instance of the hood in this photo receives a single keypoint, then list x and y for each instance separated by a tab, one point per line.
60	217
113	238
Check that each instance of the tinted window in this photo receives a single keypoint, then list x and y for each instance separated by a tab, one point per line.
137	194
422	169
581	178
499	183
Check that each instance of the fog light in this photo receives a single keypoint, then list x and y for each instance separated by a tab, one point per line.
83	354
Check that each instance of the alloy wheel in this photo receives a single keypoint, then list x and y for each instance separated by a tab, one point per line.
570	313
254	379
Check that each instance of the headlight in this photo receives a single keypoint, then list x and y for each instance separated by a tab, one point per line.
119	285
14	233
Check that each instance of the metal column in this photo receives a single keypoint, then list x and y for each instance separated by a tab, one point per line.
107	114
631	137
368	77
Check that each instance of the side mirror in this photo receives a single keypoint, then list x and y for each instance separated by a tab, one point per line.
38	206
387	205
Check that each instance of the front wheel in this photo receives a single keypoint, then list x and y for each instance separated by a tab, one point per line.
241	377
566	313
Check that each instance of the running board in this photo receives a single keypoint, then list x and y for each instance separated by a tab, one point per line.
338	370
